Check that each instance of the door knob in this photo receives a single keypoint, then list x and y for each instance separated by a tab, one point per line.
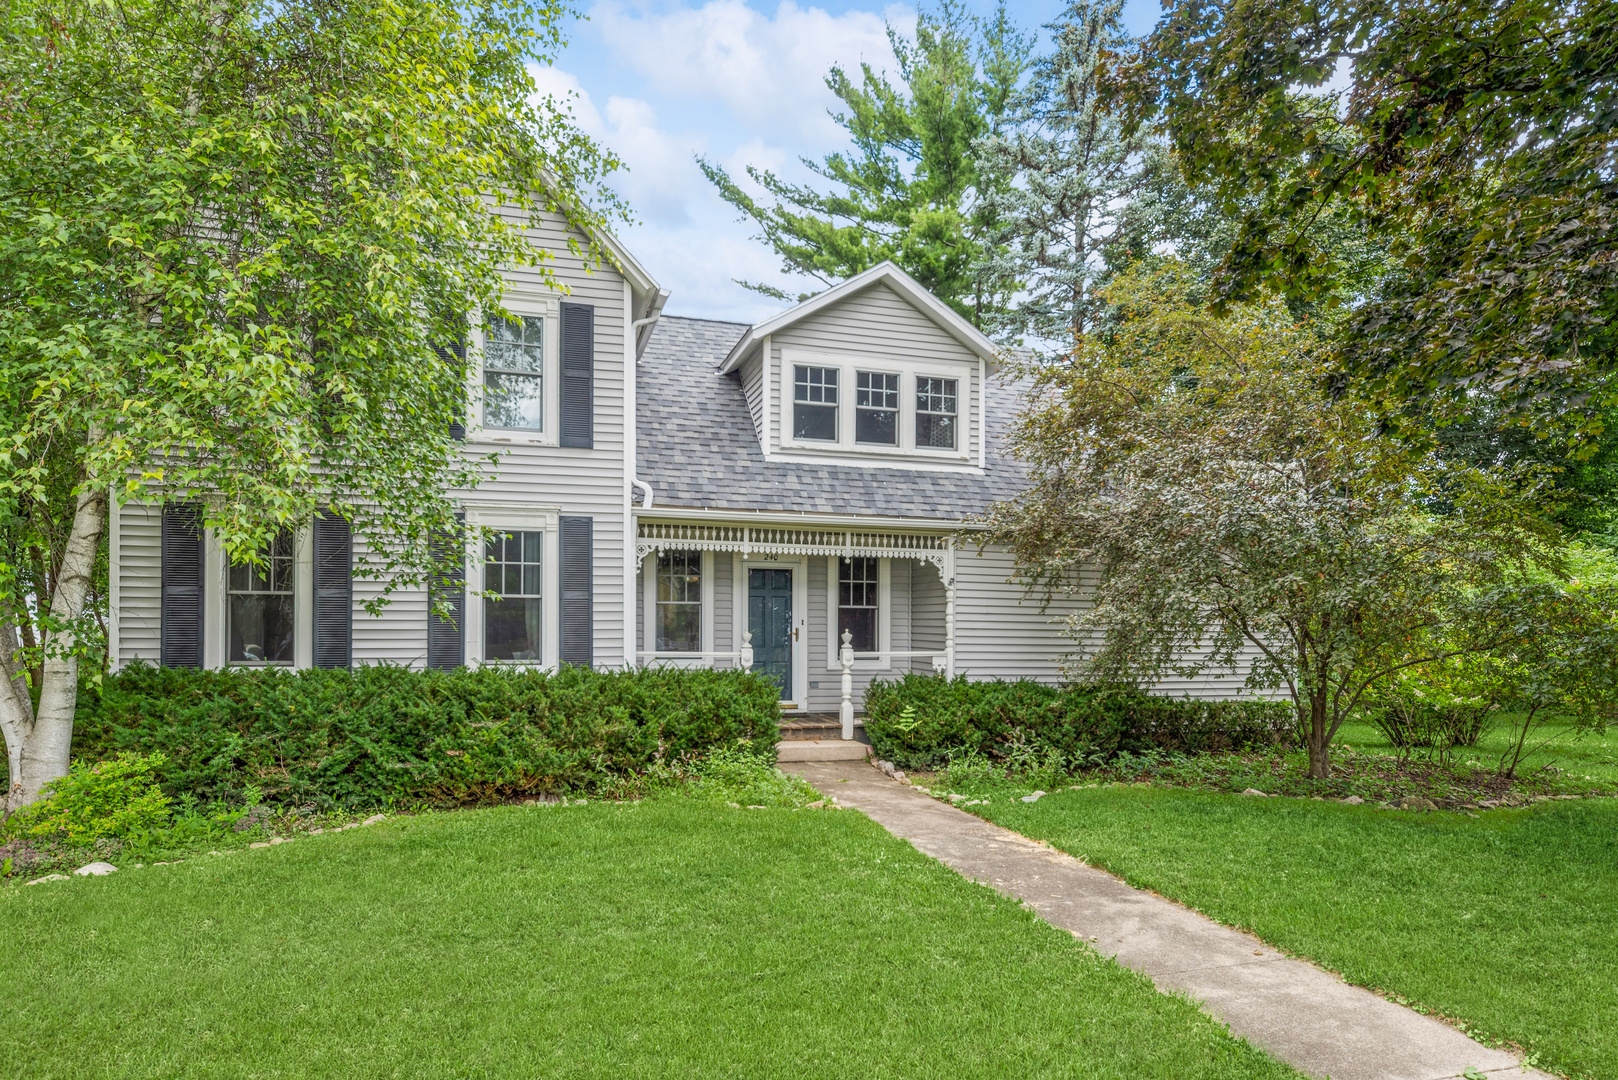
794	633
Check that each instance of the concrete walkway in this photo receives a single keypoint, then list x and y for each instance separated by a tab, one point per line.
1294	1010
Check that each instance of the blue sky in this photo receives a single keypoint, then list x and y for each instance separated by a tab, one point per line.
741	83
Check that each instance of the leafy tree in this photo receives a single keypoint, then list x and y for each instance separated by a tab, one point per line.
1475	139
1063	168
908	190
1195	484
232	234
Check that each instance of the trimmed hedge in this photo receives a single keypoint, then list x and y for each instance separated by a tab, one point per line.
1088	724
381	736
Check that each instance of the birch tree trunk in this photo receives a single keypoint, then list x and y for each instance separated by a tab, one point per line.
39	742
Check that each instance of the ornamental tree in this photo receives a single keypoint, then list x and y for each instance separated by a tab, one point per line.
1214	506
234	237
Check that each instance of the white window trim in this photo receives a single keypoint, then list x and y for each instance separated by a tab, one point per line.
908	371
547	306
863	661
216	604
514	518
648	592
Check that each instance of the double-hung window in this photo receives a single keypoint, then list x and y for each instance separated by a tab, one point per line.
858	590
514	374
259	606
814	403
935	412
679	601
876	408
513	597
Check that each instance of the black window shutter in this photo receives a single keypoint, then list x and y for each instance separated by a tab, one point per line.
578	375
457	427
334	592
182	575
446	638
578	616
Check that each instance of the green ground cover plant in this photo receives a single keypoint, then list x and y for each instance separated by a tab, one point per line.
1506	922
380	736
917	721
670	936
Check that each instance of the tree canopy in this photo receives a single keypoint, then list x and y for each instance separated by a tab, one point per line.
1215	506
1475	137
235	237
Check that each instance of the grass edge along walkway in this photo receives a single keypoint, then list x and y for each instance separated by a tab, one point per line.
1301	1014
661	938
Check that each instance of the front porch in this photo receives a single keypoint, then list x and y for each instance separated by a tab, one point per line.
823	611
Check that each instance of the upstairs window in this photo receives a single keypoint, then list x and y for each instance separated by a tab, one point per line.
679	601
513	598
876	408
259	606
814	403
857	592
935	413
514	374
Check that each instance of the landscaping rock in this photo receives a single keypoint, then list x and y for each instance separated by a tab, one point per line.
278	840
1488	804
49	877
887	767
259	844
1033	796
1256	791
900	776
1354	800
376	819
1416	802
96	869
816	805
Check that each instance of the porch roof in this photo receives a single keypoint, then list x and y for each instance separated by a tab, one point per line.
697	446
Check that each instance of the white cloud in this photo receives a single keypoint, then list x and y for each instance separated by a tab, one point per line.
769	73
686	235
737	87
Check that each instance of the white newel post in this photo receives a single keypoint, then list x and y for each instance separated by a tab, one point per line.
747	650
845	655
949	627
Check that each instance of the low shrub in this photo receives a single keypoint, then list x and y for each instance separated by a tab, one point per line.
382	736
104	801
918	721
1411	718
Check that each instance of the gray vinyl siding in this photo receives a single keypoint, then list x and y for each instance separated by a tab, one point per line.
927	611
828	695
397	634
751	372
139	615
585	482
724	596
1001	633
876	322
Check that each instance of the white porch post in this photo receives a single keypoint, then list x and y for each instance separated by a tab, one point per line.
949	611
846	656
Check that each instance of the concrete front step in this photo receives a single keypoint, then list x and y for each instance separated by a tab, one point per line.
821	750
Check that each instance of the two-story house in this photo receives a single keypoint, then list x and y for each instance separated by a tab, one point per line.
669	490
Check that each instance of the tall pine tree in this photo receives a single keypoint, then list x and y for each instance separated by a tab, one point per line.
1057	177
908	188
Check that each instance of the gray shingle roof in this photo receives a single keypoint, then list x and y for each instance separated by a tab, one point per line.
697	446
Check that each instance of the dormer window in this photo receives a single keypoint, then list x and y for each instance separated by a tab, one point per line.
814	403
935	413
876	408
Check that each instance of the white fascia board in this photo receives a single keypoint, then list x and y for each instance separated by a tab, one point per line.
779	517
907	286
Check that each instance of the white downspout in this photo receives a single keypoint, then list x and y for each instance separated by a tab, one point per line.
646	503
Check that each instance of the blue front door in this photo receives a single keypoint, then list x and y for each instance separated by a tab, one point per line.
769	619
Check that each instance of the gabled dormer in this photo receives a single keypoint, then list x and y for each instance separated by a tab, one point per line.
873	371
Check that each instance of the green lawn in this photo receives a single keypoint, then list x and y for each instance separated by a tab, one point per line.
669	937
1583	754
1507	921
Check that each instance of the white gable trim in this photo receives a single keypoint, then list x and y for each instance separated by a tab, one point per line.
901	282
